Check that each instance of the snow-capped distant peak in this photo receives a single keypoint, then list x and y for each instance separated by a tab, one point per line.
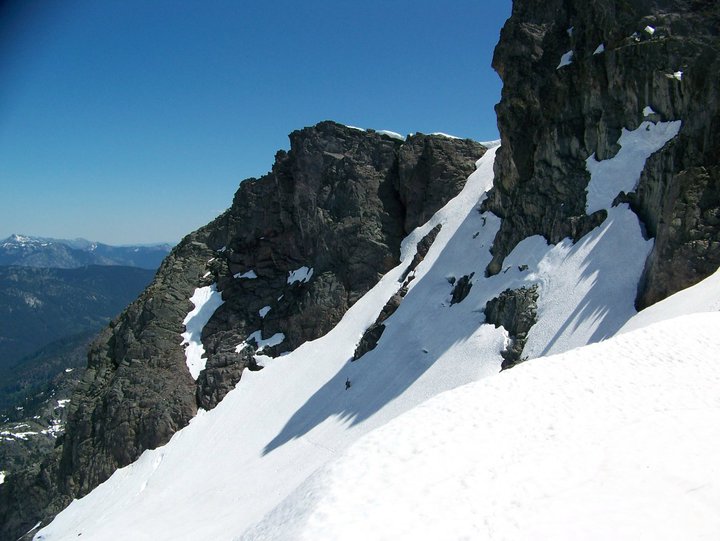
19	238
16	240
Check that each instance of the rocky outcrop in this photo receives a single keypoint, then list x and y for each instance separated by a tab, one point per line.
295	250
516	311
625	56
372	334
431	170
421	250
461	288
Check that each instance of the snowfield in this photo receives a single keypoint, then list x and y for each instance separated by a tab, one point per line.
614	440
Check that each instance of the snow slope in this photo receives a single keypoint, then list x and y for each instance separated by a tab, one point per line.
232	466
236	462
702	297
616	440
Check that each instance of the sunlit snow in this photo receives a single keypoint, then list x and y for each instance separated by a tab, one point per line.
394	135
702	297
622	172
441	134
247	468
275	340
9	435
617	440
206	300
55	428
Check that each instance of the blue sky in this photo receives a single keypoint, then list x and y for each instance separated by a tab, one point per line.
134	121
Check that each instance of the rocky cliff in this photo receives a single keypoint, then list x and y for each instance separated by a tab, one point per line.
575	74
294	251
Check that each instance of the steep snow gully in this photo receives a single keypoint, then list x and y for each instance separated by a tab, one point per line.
292	454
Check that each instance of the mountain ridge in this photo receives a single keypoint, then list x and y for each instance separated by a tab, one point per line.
338	203
30	251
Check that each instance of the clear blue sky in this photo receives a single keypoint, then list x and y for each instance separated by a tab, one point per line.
133	121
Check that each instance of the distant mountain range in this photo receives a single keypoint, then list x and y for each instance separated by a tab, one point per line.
47	319
55	295
41	305
26	251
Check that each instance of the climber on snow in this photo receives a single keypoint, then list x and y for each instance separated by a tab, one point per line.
347	384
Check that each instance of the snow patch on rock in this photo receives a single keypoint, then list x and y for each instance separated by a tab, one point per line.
565	60
249	275
206	300
302	275
622	172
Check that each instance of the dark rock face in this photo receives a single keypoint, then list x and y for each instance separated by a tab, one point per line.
516	311
221	374
370	338
372	334
431	171
687	245
338	203
552	119
421	251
